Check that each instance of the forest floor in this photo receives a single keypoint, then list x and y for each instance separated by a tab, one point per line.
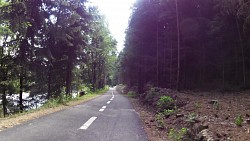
211	115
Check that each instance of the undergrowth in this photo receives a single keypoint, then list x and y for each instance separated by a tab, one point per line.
132	94
177	135
61	100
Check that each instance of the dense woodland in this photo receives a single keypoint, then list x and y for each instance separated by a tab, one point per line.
53	47
187	44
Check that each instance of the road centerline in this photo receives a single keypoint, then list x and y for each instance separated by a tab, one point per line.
86	125
103	108
108	102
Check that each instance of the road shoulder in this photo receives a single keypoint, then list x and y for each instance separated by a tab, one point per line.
19	119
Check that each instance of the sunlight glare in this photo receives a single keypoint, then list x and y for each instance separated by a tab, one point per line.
117	13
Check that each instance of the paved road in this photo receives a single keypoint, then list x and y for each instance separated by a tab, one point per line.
109	117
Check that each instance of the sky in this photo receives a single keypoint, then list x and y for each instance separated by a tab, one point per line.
117	13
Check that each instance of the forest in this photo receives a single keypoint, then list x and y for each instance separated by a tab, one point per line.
187	44
186	65
55	48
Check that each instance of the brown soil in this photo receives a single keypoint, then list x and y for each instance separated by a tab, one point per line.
18	119
216	111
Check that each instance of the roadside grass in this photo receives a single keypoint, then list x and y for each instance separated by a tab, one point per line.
49	107
68	101
132	94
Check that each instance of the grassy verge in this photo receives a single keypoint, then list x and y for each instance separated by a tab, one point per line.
67	101
49	107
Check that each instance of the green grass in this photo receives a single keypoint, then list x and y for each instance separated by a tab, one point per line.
53	103
66	100
177	135
132	94
239	120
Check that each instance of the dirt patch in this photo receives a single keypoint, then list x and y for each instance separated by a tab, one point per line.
211	113
18	119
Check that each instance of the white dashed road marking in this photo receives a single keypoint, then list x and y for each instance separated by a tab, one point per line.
86	125
103	108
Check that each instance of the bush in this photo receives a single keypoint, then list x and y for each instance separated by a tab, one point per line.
177	135
63	98
50	103
159	118
238	121
131	94
168	112
152	94
165	102
85	88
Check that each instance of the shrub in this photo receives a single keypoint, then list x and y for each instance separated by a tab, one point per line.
50	103
168	112
159	118
85	88
177	135
216	105
153	94
191	117
63	99
132	94
238	121
165	102
197	105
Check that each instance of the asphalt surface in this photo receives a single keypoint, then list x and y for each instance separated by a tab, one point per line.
91	121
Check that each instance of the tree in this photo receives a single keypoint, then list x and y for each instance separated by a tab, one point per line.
184	39
48	45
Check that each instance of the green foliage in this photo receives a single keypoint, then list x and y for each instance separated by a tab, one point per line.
216	35
168	112
159	119
131	94
50	45
63	98
85	88
51	103
216	105
197	105
239	120
177	135
151	94
165	102
191	117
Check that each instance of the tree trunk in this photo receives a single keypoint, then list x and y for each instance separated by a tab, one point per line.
21	90
140	85
242	53
171	65
223	73
93	73
49	81
3	78
4	103
22	61
178	45
157	54
69	72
